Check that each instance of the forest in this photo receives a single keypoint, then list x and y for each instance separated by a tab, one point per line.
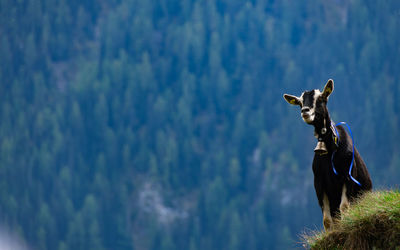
160	125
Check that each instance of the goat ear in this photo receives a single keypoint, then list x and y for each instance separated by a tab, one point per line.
328	89
291	99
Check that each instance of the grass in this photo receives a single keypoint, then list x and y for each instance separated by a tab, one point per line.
372	222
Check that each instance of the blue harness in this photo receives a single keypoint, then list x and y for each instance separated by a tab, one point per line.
352	159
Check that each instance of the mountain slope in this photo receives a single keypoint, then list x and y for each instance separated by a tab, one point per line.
372	222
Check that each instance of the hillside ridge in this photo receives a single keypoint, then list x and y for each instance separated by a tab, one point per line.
372	222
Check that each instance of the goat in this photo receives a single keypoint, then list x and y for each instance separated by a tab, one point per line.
334	185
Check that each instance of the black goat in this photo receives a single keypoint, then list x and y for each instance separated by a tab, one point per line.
334	184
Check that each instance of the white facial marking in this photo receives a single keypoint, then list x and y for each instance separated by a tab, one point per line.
309	116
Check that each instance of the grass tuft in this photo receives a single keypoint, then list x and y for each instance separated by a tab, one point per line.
371	222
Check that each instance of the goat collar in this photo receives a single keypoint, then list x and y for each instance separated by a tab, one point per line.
321	147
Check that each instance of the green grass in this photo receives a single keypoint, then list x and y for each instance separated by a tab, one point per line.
372	222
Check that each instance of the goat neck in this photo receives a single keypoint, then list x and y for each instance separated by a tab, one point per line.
324	133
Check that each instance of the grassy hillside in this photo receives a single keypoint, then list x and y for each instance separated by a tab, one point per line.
372	223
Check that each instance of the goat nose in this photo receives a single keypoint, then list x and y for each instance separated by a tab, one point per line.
305	109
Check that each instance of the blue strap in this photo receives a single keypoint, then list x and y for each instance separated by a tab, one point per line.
333	166
333	154
352	159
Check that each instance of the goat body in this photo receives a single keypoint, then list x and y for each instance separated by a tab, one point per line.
334	191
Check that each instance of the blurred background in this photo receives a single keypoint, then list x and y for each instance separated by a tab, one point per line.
143	124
